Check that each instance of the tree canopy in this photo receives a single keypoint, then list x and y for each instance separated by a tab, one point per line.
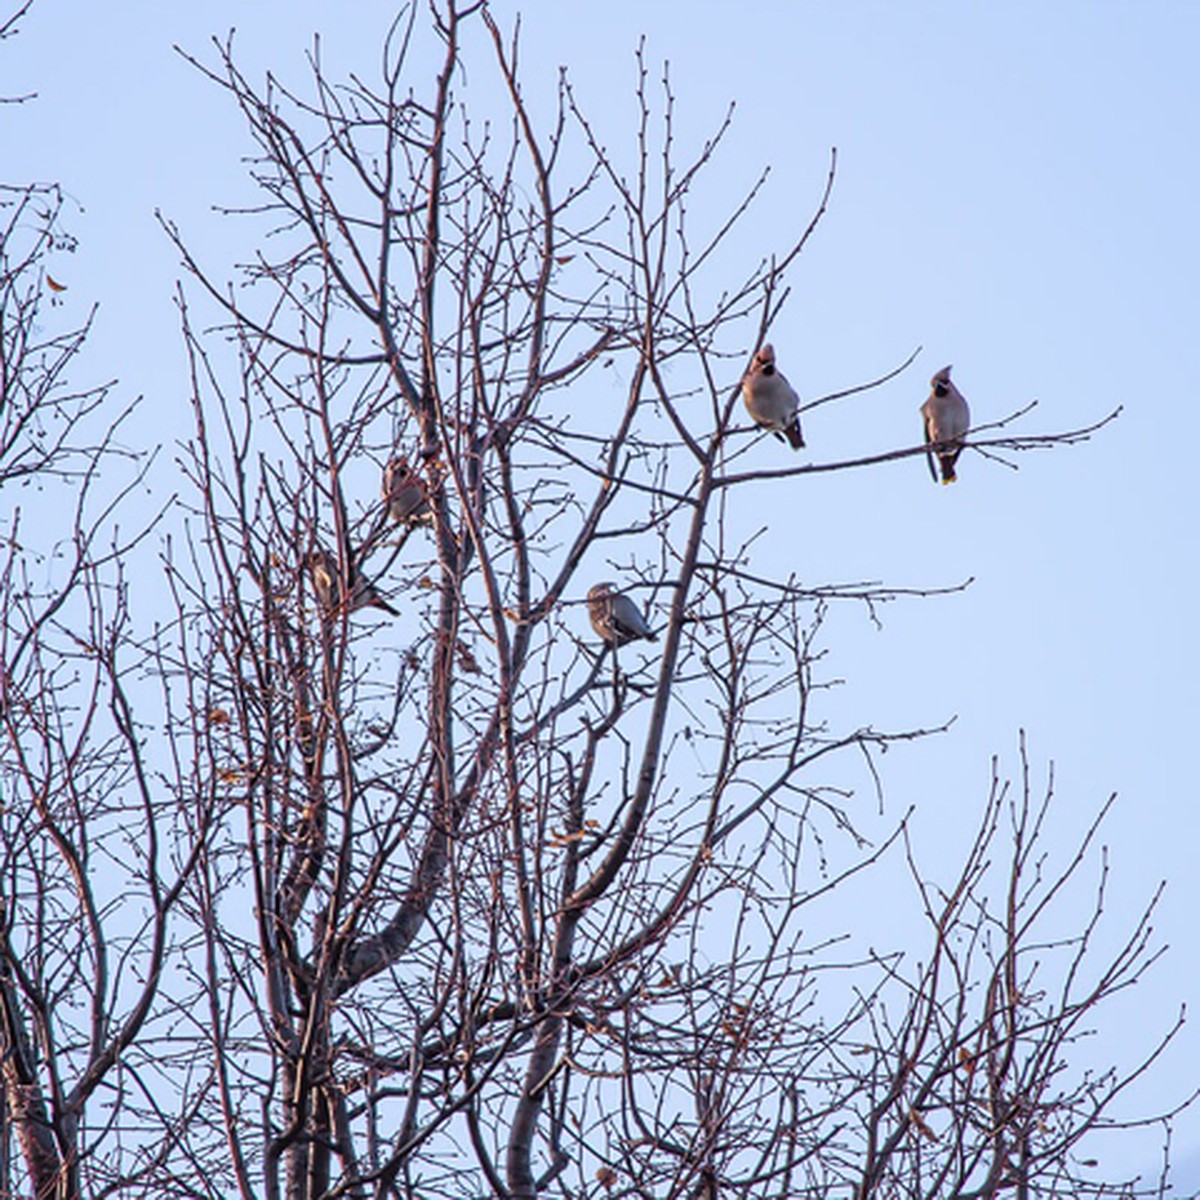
389	865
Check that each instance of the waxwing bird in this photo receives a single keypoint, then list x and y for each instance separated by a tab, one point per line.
770	399
327	583
947	419
404	494
615	618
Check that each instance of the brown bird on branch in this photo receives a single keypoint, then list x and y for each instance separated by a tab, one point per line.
947	419
770	399
615	618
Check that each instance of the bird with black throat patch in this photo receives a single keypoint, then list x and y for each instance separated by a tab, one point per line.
770	399
947	419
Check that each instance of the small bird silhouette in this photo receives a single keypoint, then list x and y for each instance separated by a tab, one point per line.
770	399
405	496
947	419
615	618
327	583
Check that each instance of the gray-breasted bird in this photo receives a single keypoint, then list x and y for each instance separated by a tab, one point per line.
615	618
327	583
770	399
947	419
404	494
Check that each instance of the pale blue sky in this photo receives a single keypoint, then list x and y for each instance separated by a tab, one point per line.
1018	194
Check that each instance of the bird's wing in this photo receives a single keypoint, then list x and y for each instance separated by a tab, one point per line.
628	619
928	452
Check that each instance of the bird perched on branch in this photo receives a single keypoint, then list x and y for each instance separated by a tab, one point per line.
770	399
404	494
947	419
615	618
327	583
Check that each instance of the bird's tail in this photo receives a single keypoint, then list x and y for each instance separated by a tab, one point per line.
368	597
794	435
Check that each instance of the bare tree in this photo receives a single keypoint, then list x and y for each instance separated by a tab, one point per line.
467	900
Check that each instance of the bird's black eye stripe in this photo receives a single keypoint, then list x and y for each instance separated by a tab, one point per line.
940	390
768	369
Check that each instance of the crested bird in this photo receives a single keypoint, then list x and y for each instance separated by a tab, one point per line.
947	419
404	494
615	618
327	583
770	399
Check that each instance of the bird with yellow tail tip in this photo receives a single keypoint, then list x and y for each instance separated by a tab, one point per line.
770	399
947	419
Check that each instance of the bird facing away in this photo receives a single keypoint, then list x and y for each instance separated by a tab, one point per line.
770	399
947	419
615	618
404	494
327	583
